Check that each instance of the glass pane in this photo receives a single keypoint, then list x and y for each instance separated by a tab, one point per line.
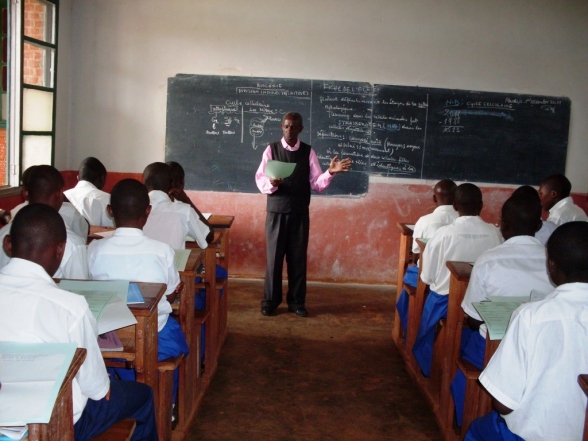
36	150
37	110
38	65
4	115
4	79
4	21
4	49
3	167
39	20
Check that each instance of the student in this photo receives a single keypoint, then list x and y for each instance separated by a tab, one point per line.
73	220
547	227
463	240
532	377
45	186
554	192
33	309
87	196
425	227
130	255
511	269
171	222
176	191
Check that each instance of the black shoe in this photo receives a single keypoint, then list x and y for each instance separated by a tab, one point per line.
266	310
300	312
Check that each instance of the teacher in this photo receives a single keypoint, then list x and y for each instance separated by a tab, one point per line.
287	221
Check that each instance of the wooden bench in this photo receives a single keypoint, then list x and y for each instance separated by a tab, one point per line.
583	382
404	257
119	431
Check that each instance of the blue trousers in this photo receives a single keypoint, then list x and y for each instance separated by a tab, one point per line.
491	427
128	399
411	279
200	304
435	309
471	349
171	342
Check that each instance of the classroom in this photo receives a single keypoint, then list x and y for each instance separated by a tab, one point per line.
115	58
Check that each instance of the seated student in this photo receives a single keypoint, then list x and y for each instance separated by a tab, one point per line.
45	186
33	309
165	213
554	192
511	269
425	227
532	377
547	227
463	240
73	220
87	196
130	255
176	191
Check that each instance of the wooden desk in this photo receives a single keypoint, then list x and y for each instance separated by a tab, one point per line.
404	256
447	344
415	308
190	368
140	340
60	426
94	229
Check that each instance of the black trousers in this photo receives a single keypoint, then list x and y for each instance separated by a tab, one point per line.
286	237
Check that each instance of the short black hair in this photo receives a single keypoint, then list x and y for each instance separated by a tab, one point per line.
558	183
177	173
129	199
25	176
568	248
36	226
526	191
468	197
523	213
293	116
91	170
158	176
43	181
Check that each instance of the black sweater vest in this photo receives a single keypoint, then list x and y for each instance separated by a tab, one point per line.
293	195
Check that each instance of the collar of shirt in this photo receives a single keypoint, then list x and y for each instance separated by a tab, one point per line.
86	184
448	208
523	240
564	201
158	196
25	268
570	290
465	219
290	148
128	232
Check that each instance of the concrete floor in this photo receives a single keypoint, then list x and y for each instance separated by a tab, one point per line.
335	375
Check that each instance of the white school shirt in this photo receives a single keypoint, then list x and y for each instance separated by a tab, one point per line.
91	203
511	269
34	310
74	220
429	223
171	222
535	369
566	211
130	255
463	240
74	264
544	233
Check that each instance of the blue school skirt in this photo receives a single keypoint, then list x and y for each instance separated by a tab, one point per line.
435	309
491	427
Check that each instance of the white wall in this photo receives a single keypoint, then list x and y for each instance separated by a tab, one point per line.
123	52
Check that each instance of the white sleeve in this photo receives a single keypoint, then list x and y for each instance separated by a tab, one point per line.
505	377
173	277
417	234
430	261
474	293
74	264
197	229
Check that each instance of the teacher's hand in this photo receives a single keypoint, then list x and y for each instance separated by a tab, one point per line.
339	166
276	181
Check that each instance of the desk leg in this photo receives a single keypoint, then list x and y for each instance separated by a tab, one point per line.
405	246
146	352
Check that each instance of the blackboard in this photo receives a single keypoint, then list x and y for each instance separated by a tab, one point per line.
219	126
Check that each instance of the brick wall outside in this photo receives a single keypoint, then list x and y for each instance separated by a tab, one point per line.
33	56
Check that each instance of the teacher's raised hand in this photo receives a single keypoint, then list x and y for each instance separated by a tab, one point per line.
339	166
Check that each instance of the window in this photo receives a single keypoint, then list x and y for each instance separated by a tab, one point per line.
31	68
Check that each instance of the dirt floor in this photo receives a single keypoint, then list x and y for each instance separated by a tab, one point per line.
335	375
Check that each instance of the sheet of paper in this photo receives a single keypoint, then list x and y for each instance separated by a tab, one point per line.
537	296
411	226
519	299
97	301
279	169
31	375
496	315
105	233
118	287
116	315
181	259
13	433
206	215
